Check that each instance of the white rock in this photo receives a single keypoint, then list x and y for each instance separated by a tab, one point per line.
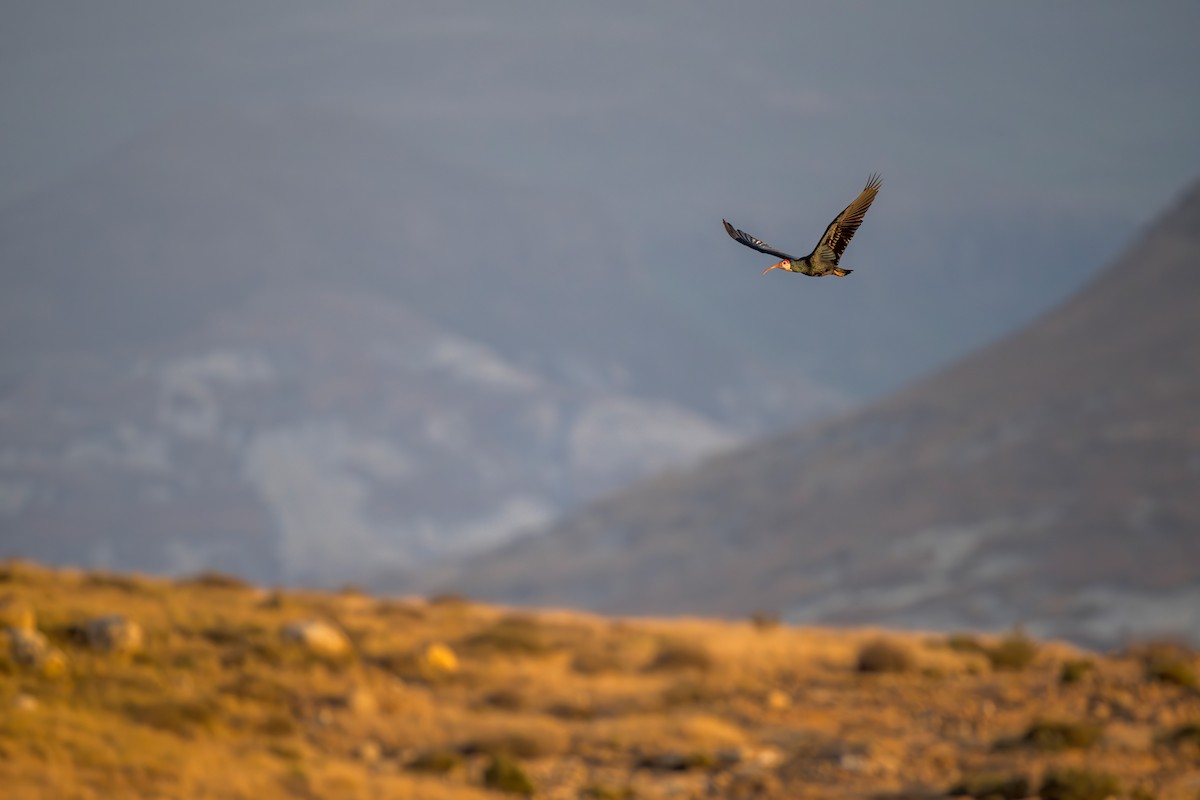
31	649
24	702
317	637
113	634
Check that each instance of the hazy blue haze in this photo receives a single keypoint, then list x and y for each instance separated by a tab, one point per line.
518	207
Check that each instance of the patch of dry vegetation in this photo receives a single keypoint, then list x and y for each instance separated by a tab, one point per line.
1077	783
885	655
1015	651
1062	735
448	698
1170	663
992	786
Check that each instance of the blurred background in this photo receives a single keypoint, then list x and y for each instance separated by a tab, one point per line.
317	294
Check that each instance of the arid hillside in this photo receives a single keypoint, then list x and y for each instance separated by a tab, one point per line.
125	686
1049	479
245	329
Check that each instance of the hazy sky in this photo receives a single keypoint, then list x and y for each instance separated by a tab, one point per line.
1058	127
1086	103
1021	145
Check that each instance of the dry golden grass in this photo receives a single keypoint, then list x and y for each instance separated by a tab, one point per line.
217	704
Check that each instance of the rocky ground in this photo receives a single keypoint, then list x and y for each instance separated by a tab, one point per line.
129	686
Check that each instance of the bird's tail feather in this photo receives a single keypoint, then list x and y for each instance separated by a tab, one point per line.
841	273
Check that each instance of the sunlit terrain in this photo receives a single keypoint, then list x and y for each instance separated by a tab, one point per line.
208	687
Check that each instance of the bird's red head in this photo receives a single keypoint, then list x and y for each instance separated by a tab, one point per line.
785	264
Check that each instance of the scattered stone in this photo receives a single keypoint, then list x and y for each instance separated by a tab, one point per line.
766	757
368	752
778	700
1098	709
361	701
16	614
319	638
853	762
440	658
24	702
31	649
113	634
506	775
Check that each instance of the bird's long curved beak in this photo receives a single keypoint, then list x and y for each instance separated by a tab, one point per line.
773	266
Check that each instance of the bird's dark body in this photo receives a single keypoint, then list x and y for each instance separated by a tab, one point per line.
826	256
817	268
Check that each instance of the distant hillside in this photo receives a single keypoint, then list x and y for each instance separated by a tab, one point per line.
288	344
1051	479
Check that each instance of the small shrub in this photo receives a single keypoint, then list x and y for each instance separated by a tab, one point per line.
1061	735
404	664
1185	736
597	661
263	691
678	762
1167	661
1173	670
288	751
1014	652
277	725
505	700
436	762
450	600
181	717
1079	784
699	760
964	643
515	635
885	655
572	710
690	693
992	786
1073	671
600	791
765	620
676	655
213	579
506	775
516	744
277	600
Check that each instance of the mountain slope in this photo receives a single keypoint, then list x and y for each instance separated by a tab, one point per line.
286	343
1048	479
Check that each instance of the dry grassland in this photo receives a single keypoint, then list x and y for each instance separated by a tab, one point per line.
445	698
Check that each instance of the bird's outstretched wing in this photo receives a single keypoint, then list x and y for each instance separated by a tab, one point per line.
755	244
842	229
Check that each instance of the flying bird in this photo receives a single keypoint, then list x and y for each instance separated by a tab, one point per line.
824	258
